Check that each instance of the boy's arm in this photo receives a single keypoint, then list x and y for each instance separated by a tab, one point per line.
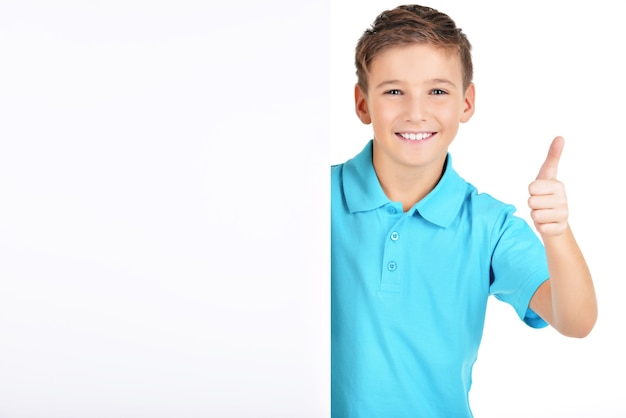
567	301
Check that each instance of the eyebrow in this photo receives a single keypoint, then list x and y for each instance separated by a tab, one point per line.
433	81
442	81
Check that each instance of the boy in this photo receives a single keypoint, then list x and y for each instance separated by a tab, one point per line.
416	250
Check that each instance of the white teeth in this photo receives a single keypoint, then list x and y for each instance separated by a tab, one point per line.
416	137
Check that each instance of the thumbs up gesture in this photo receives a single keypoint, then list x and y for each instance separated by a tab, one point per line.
547	201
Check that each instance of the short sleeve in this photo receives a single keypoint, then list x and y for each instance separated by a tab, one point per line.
518	265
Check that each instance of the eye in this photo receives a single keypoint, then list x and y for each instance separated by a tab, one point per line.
394	92
437	92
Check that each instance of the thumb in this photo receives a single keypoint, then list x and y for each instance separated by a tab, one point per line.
551	164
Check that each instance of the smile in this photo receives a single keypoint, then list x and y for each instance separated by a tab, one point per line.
416	137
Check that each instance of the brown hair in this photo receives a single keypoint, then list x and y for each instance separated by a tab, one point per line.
410	24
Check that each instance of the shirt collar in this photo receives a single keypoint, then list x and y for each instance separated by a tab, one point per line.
363	191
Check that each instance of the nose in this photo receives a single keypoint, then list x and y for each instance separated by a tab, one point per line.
417	108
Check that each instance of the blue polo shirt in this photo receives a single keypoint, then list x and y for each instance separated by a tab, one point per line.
409	291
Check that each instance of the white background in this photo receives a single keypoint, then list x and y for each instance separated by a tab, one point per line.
542	68
164	209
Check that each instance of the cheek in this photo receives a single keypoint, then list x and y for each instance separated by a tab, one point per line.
383	114
450	114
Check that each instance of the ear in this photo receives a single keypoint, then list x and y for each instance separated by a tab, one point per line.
360	104
468	103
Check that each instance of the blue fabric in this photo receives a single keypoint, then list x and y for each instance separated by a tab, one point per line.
409	291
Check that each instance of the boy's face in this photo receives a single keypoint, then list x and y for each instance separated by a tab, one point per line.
415	103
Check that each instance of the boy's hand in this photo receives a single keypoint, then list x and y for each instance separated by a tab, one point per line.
547	201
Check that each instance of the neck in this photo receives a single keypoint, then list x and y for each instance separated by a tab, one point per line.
408	186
